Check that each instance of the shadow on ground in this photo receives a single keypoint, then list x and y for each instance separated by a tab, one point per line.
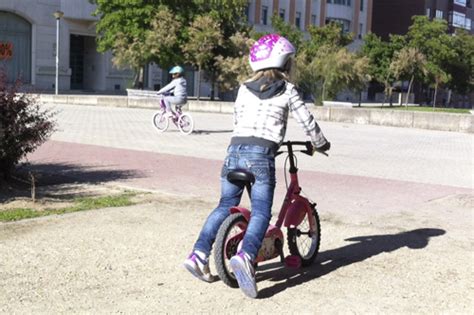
59	177
328	261
207	132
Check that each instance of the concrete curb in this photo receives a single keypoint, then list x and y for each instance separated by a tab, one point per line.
382	117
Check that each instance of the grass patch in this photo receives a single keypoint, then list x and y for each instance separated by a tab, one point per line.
423	109
79	204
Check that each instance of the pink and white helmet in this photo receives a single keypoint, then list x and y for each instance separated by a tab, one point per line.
270	51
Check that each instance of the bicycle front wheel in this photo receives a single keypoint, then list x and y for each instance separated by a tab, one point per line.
304	242
185	124
228	241
160	121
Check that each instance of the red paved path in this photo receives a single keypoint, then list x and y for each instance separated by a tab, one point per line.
340	194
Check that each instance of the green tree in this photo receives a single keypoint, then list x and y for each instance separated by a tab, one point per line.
163	42
122	28
138	30
204	37
406	64
433	41
380	55
290	32
230	16
339	70
461	68
330	37
325	64
235	67
156	44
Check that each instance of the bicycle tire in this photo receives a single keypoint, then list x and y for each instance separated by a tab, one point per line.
160	122
225	250
294	235
185	124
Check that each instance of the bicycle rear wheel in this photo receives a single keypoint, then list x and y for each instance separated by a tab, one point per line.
185	124
160	121
303	242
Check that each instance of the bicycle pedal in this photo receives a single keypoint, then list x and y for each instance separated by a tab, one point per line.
293	261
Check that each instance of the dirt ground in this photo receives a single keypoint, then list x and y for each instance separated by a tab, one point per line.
129	260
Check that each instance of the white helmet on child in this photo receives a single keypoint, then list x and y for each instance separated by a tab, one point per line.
176	69
270	51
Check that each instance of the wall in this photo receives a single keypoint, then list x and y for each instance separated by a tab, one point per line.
386	117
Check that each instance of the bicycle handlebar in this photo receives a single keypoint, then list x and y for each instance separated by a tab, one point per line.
307	144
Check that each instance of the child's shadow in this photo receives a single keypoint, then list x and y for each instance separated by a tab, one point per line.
330	260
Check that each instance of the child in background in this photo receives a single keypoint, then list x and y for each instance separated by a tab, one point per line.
175	91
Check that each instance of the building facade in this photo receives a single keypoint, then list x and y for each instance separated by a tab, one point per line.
395	17
28	41
354	15
28	28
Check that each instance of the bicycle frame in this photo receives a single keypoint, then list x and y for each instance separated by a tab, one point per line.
176	113
293	209
294	206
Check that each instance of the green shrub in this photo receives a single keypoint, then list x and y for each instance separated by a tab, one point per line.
24	126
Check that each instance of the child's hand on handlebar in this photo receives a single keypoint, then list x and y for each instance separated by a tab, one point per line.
322	149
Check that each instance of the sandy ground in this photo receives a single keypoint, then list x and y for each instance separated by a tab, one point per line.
129	260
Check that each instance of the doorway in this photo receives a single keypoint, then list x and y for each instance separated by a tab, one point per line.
76	61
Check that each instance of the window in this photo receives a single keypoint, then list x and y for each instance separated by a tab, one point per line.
264	15
282	14
468	24
460	2
428	12
439	14
314	20
458	19
341	2
15	46
345	24
361	28
298	20
362	5
247	11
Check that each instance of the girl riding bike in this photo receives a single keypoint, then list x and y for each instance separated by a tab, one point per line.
175	91
260	121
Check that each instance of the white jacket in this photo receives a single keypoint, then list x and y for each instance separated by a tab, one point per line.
177	87
267	118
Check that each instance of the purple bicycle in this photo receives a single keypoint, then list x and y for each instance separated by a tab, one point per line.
183	121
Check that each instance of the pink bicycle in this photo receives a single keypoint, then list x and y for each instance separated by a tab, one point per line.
297	214
182	120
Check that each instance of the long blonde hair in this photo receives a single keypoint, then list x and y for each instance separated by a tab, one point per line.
273	74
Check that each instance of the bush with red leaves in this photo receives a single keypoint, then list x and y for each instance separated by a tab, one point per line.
24	125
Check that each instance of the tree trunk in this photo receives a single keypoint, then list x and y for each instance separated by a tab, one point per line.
409	90
385	90
138	80
323	96
213	81
390	92
448	103
199	84
435	95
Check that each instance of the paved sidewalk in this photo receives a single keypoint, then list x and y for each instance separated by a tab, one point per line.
376	170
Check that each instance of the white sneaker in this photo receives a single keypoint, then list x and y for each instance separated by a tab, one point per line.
244	272
199	267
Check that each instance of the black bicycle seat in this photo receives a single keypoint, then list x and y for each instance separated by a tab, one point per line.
241	177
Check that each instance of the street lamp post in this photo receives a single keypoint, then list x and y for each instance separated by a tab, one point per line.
58	15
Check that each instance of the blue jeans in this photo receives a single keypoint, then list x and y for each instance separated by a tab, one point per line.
169	100
261	162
